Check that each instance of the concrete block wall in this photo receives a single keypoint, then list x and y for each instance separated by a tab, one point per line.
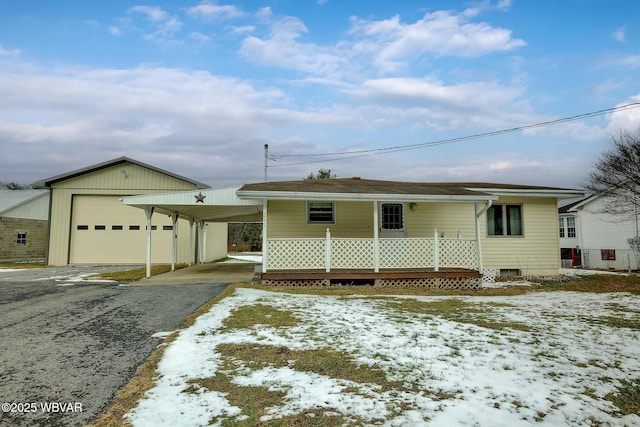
36	246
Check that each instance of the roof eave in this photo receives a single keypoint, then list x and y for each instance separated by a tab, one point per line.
298	195
554	193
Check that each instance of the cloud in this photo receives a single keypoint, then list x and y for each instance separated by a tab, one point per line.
153	13
625	119
280	48
443	33
213	12
14	53
619	34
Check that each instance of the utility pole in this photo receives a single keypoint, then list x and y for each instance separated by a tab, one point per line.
266	155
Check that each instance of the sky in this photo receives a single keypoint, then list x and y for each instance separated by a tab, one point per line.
560	372
199	87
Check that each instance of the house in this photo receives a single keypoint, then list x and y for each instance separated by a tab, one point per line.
89	225
389	233
593	238
23	224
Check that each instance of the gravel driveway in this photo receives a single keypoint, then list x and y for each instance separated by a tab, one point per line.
67	345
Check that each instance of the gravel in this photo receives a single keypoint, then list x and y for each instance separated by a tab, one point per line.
67	344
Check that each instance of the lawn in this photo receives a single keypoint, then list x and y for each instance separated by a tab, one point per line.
549	354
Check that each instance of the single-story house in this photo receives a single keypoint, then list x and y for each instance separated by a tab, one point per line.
23	224
593	238
389	233
89	225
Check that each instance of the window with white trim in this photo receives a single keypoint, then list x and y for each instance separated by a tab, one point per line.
321	213
504	220
561	226
391	216
571	227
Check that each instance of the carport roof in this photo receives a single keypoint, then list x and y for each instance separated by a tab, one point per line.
219	204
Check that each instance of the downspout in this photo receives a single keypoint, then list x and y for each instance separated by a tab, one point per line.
479	213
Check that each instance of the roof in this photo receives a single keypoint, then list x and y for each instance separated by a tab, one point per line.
47	182
10	199
357	188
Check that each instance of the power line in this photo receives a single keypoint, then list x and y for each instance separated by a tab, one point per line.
377	151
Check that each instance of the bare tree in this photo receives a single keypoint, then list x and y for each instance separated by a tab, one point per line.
616	176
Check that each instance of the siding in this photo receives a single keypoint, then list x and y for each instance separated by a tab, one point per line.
604	231
535	253
448	218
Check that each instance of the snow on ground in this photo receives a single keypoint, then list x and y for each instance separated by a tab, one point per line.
555	374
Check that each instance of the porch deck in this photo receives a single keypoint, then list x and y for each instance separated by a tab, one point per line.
445	278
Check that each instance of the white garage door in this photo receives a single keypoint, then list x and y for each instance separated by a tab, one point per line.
104	231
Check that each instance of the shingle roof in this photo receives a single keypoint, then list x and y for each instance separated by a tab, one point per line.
368	186
45	183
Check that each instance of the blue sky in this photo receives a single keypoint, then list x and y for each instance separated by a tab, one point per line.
198	87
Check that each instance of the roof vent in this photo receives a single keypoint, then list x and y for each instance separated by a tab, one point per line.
356	177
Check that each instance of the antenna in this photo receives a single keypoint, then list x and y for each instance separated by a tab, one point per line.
266	156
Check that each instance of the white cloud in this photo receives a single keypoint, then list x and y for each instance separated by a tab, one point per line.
619	34
281	47
213	12
14	53
153	13
625	119
199	37
442	33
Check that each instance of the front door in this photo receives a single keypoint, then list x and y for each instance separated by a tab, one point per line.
393	222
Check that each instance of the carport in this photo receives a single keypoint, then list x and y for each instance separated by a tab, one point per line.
198	207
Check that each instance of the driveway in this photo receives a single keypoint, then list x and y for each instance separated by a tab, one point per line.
64	339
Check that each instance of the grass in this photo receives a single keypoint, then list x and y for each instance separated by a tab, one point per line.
627	399
326	361
137	273
22	264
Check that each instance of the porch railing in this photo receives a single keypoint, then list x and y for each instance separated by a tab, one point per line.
360	253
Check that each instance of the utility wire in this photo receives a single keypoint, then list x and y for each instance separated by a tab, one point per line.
377	151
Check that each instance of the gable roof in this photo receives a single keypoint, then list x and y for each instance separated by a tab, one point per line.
10	199
47	182
357	188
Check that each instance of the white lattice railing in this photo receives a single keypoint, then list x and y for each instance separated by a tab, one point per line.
359	253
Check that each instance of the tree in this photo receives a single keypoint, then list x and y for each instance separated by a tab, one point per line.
616	176
14	186
322	174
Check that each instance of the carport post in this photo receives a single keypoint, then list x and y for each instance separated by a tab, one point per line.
190	241
174	248
148	211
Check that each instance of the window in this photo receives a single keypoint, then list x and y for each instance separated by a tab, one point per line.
134	227
320	213
116	227
504	220
83	227
391	216
100	227
153	227
167	227
561	225
21	239
571	227
608	254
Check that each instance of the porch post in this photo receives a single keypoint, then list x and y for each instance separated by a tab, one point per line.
327	251
174	247
265	252
376	241
148	211
479	213
436	251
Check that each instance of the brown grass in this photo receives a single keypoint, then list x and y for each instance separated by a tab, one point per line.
22	264
138	273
